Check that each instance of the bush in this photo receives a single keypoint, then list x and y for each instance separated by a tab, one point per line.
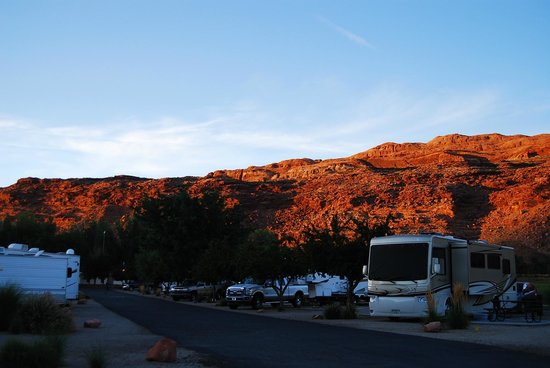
432	310
333	311
349	311
40	314
337	311
47	352
456	317
96	357
10	299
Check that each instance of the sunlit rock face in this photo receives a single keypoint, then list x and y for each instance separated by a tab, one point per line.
490	187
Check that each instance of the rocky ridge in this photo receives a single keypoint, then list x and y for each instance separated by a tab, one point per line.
491	187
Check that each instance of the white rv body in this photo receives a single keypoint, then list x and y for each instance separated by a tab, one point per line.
403	268
35	275
72	269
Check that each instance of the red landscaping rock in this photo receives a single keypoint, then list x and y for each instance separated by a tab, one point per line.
163	351
92	323
432	327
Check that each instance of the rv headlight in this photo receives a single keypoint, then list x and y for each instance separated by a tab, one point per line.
422	299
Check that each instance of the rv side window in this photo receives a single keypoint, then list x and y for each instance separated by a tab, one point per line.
493	261
477	260
506	266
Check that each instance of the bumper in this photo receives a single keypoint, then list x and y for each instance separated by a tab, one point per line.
238	300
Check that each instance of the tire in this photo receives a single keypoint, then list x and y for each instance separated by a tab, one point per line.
298	300
175	298
233	306
257	301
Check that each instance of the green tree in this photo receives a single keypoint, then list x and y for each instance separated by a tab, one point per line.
27	228
342	248
187	231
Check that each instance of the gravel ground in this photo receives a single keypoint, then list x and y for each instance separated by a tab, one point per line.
125	344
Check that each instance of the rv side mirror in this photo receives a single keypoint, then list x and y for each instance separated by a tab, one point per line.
365	270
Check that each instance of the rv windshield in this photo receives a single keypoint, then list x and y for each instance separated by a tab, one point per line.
399	262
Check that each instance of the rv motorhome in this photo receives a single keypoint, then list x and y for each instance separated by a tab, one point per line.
404	268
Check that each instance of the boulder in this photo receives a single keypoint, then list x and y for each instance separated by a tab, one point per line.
92	323
164	350
432	327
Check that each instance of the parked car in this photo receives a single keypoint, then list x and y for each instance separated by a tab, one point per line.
178	292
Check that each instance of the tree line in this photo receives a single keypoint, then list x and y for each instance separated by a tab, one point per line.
178	237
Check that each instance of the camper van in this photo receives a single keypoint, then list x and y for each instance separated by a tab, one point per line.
37	271
402	269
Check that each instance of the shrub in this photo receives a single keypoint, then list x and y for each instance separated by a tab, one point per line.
349	311
337	311
456	317
96	357
41	314
333	311
47	352
432	311
10	299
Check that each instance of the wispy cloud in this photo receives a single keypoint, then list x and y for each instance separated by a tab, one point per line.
344	32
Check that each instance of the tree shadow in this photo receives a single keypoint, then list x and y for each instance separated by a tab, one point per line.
471	205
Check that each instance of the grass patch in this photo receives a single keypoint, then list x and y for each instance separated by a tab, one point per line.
46	352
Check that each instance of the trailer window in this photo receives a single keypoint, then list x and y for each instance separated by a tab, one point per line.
399	262
477	260
493	261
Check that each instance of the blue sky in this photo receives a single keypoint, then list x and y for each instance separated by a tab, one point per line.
174	88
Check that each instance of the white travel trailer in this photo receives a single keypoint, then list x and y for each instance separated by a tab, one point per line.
327	288
69	267
403	268
35	275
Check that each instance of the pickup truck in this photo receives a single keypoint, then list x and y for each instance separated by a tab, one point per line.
253	293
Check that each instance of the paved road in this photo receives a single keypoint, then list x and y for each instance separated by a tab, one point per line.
244	340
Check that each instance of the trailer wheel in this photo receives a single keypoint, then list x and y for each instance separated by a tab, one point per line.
257	301
298	300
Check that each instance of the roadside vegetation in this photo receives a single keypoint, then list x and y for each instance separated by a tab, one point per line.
44	352
34	314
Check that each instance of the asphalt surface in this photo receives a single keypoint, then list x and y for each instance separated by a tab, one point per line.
233	339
